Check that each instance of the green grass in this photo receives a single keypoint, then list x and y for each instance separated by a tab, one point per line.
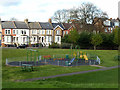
99	79
14	73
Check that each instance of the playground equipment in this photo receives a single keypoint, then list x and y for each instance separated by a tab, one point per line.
71	61
78	56
47	57
32	58
66	56
81	55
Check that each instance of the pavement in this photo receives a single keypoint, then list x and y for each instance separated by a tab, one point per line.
67	74
98	66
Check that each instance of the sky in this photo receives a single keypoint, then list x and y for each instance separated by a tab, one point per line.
42	10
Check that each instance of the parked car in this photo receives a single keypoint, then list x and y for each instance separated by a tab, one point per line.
22	46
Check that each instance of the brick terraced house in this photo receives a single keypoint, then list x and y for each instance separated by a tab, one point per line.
32	33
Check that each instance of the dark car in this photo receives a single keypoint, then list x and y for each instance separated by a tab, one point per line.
22	46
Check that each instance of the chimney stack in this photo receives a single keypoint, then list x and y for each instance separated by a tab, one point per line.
49	20
26	21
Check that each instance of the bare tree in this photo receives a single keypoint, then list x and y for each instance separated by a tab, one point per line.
60	16
84	14
87	12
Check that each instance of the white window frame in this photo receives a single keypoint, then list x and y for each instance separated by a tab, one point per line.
49	38
22	31
14	31
17	32
57	32
34	31
43	31
40	31
50	32
57	39
7	31
17	39
47	32
25	32
8	39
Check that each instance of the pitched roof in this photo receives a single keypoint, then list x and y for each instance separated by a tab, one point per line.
45	25
56	24
21	25
66	26
8	24
34	25
81	27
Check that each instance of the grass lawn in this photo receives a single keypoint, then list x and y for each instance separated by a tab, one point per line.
99	79
13	73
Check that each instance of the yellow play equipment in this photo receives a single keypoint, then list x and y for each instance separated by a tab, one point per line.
83	56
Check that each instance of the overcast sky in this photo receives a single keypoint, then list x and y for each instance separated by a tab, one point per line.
42	10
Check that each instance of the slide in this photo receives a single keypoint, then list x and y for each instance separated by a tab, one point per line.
85	57
72	60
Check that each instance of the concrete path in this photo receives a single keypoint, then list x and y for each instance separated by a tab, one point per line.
68	74
98	66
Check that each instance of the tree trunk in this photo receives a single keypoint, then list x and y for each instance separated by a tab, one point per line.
94	47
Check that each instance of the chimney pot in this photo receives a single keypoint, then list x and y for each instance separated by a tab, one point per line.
49	20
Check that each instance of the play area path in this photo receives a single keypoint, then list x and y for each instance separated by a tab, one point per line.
98	66
68	74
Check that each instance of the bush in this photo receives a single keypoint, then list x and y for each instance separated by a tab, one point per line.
84	39
65	39
65	46
54	45
107	39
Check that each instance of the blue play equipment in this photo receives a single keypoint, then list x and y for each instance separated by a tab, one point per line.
72	60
